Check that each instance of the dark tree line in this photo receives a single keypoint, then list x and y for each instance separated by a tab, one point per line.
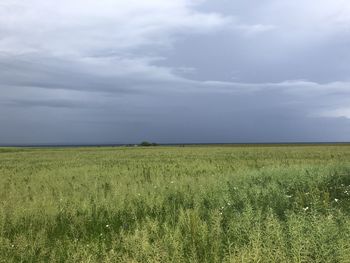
146	143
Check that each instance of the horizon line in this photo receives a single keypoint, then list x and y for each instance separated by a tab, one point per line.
47	145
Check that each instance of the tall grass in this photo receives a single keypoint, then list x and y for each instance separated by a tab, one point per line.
169	204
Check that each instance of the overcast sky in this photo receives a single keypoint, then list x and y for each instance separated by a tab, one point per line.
174	71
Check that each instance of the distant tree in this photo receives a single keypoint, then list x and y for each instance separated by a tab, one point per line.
146	143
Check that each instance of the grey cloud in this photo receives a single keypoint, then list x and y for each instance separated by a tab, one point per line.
51	103
188	117
55	74
174	71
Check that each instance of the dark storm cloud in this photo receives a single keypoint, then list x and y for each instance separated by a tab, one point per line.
50	103
50	73
174	71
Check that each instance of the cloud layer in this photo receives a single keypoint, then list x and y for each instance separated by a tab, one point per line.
174	71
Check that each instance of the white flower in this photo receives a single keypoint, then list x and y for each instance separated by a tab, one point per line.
306	208
336	199
288	196
107	226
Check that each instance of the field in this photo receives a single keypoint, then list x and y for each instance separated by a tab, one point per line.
175	204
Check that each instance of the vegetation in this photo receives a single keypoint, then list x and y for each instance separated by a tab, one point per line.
146	143
172	204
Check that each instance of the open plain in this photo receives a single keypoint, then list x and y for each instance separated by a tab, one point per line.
253	203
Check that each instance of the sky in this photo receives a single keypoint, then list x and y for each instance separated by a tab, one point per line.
174	71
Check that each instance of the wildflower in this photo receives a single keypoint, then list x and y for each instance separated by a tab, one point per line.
288	196
107	226
172	182
306	208
336	200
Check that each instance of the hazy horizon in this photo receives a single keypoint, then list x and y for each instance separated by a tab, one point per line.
185	71
116	144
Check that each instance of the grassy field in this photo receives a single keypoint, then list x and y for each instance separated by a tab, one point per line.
175	204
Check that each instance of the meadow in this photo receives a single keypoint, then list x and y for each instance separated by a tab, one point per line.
273	203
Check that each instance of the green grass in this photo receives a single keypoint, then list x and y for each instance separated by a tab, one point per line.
175	204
